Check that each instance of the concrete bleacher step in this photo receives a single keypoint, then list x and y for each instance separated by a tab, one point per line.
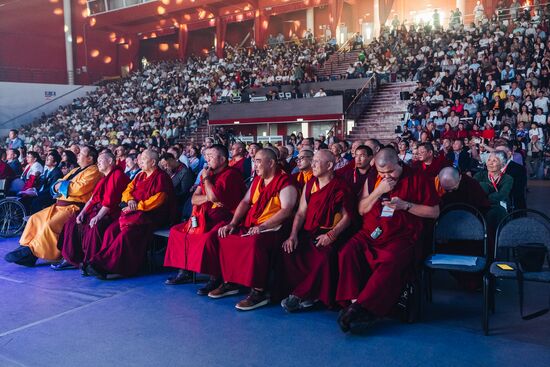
383	114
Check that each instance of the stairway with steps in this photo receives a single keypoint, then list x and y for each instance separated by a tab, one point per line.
383	114
337	64
195	137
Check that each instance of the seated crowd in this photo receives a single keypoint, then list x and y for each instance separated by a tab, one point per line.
310	222
166	101
316	221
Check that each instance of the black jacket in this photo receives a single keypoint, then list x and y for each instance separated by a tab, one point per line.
519	174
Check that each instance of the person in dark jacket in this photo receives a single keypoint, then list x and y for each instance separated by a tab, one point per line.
460	157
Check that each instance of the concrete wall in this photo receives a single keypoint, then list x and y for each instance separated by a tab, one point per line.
21	103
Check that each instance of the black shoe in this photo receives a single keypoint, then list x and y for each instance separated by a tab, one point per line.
182	277
63	265
90	270
212	284
21	256
354	315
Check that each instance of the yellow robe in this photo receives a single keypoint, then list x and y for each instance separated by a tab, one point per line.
43	228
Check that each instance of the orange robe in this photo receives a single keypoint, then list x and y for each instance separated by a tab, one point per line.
43	228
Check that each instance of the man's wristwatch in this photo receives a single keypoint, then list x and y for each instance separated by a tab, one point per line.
409	206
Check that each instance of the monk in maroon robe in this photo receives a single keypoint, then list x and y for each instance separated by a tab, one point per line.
82	234
216	198
461	189
378	261
357	175
427	163
246	250
149	204
308	265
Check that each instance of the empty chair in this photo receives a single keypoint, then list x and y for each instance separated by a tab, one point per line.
458	225
521	229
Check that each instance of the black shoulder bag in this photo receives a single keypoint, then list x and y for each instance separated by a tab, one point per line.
529	257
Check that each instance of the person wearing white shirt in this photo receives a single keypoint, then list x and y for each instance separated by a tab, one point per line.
542	102
320	93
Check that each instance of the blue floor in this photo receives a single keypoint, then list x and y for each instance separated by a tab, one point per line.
60	319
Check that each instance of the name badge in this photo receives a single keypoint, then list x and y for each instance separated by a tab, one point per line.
376	233
387	211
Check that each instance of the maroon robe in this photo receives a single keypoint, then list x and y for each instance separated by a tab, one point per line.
469	192
79	243
311	272
349	167
6	172
433	169
125	242
199	252
390	257
356	180
247	260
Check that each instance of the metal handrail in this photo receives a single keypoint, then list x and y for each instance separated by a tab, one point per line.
357	105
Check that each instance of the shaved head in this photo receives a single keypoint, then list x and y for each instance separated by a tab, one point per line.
268	153
151	154
385	157
325	155
323	163
449	178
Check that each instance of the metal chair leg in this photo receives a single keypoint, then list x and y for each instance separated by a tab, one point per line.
486	301
429	287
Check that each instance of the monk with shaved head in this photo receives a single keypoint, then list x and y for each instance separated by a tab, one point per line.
376	263
148	204
308	267
260	224
461	189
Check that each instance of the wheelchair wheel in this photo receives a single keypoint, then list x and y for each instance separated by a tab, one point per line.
12	217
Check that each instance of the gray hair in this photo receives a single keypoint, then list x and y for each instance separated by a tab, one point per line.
501	156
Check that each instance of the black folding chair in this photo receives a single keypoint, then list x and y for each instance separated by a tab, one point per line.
518	228
456	224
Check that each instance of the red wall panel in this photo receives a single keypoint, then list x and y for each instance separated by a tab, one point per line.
201	40
160	48
236	32
32	46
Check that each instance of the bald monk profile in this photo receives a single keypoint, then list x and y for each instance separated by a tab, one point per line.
375	264
247	248
303	162
238	160
149	203
309	266
461	189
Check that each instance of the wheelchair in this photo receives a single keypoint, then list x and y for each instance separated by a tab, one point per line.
13	216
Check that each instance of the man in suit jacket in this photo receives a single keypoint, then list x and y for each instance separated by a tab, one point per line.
460	157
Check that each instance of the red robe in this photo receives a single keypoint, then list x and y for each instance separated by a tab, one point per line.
6	172
78	243
311	272
388	258
247	260
125	242
432	170
199	252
